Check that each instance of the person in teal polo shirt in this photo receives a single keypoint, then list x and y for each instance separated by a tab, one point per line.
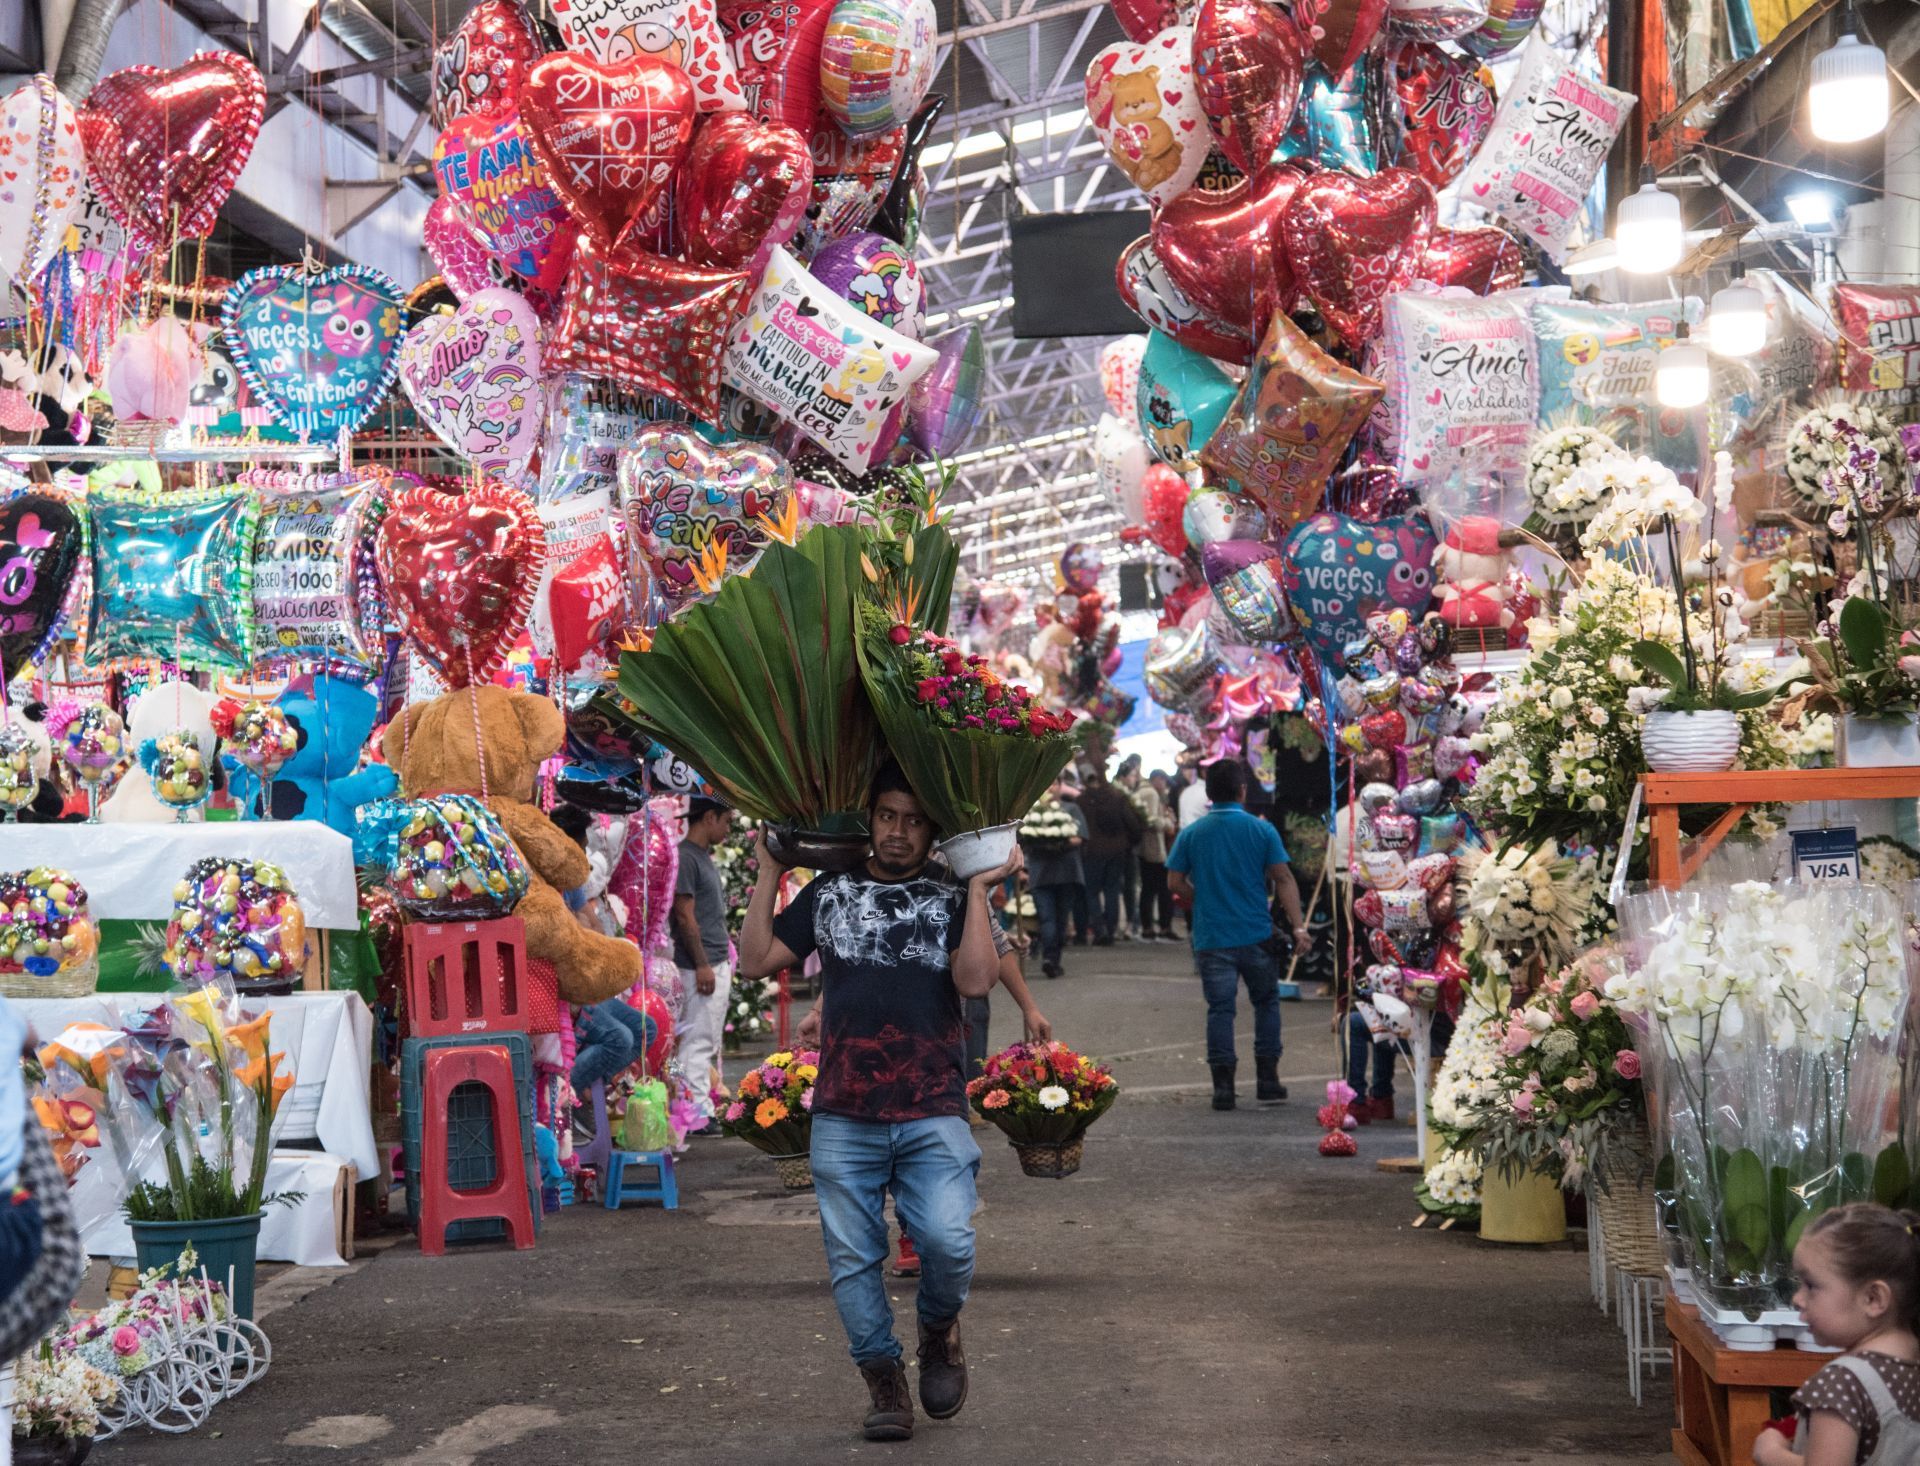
1227	865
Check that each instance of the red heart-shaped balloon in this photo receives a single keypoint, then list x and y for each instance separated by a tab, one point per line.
1217	249
607	136
745	187
164	147
1449	105
1144	283
480	67
1483	259
1345	28
460	573
1247	64
1353	241
1142	20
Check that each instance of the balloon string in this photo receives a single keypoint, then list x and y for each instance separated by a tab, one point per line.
479	748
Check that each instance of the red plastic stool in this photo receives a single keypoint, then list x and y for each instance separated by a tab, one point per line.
475	977
505	1197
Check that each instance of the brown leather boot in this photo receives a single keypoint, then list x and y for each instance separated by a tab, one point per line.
943	1371
891	1418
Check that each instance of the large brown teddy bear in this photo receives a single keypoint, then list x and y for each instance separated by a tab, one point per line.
433	748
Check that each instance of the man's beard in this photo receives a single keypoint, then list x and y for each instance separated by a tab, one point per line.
895	870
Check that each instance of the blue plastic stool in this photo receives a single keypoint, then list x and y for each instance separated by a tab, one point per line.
613	1163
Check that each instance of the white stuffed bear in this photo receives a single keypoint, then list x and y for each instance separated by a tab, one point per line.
162	708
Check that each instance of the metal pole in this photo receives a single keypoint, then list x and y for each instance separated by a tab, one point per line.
84	50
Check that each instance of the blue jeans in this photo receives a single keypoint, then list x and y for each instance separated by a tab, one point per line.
1050	904
1385	1056
613	1035
1105	876
1222	969
930	1166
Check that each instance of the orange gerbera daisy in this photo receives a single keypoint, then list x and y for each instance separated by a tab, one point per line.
751	1084
771	1112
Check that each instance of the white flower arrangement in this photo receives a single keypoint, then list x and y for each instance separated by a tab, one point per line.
1552	460
1885	861
1469	1077
1818	445
1524	901
1454	1180
1048	826
59	1395
1634	494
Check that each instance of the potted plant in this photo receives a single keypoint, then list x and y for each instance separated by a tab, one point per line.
1696	728
772	1110
56	1407
1043	1096
194	1082
1868	673
978	750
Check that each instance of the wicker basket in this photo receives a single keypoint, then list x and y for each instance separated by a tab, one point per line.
796	1171
1050	1162
77	981
1629	1218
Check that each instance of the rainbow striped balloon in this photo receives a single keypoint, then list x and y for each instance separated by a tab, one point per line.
876	62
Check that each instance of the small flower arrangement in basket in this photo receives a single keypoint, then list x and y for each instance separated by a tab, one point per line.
1043	1096
1048	828
772	1110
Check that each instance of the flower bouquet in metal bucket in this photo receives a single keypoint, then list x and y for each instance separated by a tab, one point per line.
1043	1096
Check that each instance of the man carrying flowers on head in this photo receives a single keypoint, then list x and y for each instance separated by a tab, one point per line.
899	951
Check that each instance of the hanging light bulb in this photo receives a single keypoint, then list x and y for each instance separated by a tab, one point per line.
1680	377
1737	318
1648	228
1847	97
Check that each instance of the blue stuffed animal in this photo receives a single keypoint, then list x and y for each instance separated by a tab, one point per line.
323	780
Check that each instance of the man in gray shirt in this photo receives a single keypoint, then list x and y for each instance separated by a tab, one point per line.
701	951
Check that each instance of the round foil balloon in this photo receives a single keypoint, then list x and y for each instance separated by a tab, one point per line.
41	544
1184	398
1211	516
944	406
1245	576
1289	426
1120	458
480	66
876	61
1247	60
1508	23
744	190
607	137
164	147
1120	376
1080	567
1428	21
460	574
775	46
873	273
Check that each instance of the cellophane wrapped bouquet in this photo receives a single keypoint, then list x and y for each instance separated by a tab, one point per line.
1769	1019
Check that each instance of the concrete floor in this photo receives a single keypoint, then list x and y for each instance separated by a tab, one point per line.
1207	1289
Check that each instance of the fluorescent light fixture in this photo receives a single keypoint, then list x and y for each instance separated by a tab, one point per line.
1847	92
1737	318
1592	259
1648	229
1682	376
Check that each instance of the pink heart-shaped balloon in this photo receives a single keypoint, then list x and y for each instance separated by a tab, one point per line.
743	190
1142	20
460	571
1217	249
474	378
1247	60
456	250
1483	259
684	499
486	166
608	135
1353	241
164	147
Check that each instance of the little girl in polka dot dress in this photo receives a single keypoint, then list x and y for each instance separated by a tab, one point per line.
1859	1270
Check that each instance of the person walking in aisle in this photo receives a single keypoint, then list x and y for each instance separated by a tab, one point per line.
1149	802
1225	865
1127	779
700	951
900	951
1054	877
1112	831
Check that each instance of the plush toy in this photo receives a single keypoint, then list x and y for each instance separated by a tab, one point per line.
160	710
1470	574
323	780
435	748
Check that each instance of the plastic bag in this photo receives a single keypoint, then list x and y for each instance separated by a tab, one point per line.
645	1125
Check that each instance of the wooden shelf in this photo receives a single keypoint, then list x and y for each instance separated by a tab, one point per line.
1721	1396
1664	794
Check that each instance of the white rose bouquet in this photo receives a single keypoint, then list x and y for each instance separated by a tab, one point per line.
1559	496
